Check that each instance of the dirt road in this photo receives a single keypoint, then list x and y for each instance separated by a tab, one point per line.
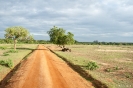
43	69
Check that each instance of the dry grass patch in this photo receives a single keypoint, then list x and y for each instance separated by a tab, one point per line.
15	57
117	59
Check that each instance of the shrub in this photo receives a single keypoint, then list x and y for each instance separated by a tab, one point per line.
12	51
128	75
2	48
7	63
5	54
112	69
92	65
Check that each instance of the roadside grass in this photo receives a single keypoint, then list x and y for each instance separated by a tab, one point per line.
11	58
115	63
7	63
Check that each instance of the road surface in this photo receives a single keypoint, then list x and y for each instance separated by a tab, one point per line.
43	69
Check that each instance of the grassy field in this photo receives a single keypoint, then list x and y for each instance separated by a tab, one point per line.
6	52
115	63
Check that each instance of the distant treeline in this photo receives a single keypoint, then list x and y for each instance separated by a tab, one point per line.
103	43
10	41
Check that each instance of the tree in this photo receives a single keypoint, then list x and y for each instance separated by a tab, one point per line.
30	39
16	32
55	33
58	36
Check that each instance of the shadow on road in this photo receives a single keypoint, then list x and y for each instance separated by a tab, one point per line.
96	83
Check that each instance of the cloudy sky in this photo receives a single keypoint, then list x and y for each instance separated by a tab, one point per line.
88	20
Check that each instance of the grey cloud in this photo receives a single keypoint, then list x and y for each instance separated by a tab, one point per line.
88	20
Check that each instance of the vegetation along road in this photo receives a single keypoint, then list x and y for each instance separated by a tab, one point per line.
43	69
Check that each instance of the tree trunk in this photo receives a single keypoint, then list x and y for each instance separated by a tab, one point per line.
15	44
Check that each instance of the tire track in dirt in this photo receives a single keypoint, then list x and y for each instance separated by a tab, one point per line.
57	79
43	69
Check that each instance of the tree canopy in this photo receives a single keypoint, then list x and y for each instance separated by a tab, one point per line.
58	36
15	33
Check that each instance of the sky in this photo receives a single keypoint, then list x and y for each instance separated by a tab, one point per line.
88	20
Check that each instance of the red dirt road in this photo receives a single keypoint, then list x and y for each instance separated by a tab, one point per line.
43	69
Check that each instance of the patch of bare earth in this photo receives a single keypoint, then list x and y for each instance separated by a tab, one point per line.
43	69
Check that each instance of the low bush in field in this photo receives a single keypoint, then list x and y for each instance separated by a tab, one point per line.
2	48
5	54
92	65
7	63
12	51
128	75
112	69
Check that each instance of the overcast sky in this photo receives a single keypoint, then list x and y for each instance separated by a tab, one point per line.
88	20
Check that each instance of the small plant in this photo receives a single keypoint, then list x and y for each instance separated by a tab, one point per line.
128	75
112	69
108	70
12	51
116	68
7	63
2	48
5	54
92	65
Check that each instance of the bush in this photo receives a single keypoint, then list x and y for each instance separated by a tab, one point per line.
5	54
7	63
2	48
12	51
112	69
128	75
92	65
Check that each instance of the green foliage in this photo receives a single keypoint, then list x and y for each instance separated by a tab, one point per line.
2	48
112	69
12	51
58	36
30	39
5	54
8	41
7	63
92	65
15	33
128	75
55	33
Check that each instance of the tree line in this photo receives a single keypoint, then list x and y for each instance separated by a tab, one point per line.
10	41
18	34
103	43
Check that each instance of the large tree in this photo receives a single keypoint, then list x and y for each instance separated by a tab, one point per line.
16	32
58	36
55	33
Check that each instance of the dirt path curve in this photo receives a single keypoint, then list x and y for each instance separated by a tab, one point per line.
43	69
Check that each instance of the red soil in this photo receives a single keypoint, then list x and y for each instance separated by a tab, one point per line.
43	69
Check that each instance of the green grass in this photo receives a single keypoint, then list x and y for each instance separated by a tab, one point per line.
15	56
5	54
114	62
2	48
12	51
7	63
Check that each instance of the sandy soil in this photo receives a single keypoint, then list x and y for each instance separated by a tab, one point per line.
43	69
